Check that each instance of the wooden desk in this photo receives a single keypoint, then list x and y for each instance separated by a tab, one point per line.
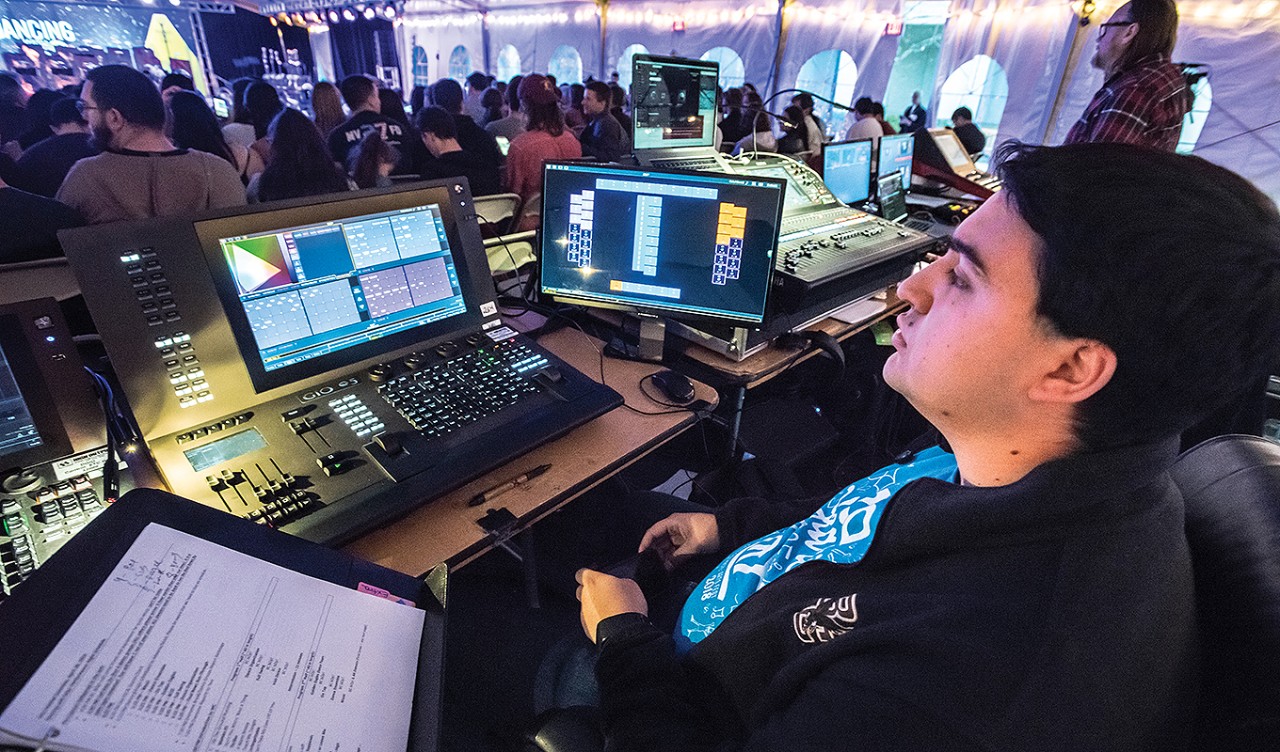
445	530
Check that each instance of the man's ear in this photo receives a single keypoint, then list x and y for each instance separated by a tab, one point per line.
114	120
1084	367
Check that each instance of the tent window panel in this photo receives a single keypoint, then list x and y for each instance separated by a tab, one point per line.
831	74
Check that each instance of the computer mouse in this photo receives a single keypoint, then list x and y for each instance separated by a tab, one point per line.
675	386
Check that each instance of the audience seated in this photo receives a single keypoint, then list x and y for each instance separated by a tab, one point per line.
761	137
299	163
43	167
865	124
618	99
814	129
473	104
736	125
326	106
447	94
35	122
29	225
392	106
602	137
440	136
795	131
361	95
492	103
263	104
194	126
371	162
141	173
513	124
546	138
886	128
13	105
240	130
970	135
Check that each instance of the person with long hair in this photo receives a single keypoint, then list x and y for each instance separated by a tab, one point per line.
735	124
263	102
326	105
418	99
299	163
194	126
795	130
392	106
761	137
240	130
491	101
546	138
35	127
371	162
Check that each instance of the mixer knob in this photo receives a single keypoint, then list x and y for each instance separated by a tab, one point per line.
380	372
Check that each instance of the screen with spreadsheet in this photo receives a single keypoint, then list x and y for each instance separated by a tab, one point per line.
846	169
637	239
316	289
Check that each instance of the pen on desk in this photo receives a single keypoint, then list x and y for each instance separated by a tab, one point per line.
501	488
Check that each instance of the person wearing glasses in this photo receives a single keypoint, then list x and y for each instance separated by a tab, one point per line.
140	173
1145	96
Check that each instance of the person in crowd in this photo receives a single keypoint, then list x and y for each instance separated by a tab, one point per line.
29	225
551	78
1027	584
13	105
915	117
574	117
371	162
361	95
618	100
1144	97
240	130
546	138
263	102
176	81
761	137
603	137
194	126
492	102
886	128
299	164
392	106
969	134
864	124
749	88
736	124
477	82
418	98
795	131
513	124
440	137
45	165
814	128
326	106
140	173
35	124
446	93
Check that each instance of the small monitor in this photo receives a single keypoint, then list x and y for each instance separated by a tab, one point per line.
892	200
895	158
504	144
846	169
699	245
953	151
673	102
220	107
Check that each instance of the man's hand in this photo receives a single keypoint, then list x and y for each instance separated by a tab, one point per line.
604	595
682	535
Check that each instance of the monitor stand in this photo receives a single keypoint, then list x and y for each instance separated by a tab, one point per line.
642	337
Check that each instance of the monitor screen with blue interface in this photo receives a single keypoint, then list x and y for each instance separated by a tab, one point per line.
846	169
895	158
317	289
673	101
18	431
654	240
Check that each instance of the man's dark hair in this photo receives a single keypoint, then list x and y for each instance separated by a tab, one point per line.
575	95
804	99
128	92
962	112
1169	260
447	93
65	111
180	80
513	93
864	106
601	90
552	79
437	120
877	109
357	90
1157	22
478	81
617	95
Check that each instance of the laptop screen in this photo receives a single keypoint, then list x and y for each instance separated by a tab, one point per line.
673	102
953	151
846	169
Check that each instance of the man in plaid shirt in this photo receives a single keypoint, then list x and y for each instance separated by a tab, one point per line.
1145	96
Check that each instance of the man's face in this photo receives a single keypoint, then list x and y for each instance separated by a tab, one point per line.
971	346
915	97
1114	37
592	105
98	127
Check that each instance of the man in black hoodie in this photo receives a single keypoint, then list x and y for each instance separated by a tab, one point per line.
1029	588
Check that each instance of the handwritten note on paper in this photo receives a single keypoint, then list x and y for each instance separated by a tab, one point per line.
193	646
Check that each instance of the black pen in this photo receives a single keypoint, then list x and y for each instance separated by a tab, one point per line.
501	488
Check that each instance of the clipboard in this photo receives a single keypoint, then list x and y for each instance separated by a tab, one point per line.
45	606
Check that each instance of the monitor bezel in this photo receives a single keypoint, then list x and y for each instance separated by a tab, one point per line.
947	133
713	65
36	392
871	164
677	313
452	195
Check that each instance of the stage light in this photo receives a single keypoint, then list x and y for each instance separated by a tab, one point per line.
348	15
312	17
369	14
333	16
298	20
389	12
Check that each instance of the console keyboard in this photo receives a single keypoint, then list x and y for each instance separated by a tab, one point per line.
703	164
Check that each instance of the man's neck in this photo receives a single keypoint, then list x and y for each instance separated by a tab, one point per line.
1001	460
367	108
449	146
142	140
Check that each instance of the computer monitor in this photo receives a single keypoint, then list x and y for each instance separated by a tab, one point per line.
953	151
892	200
846	169
304	297
895	158
698	245
673	102
220	107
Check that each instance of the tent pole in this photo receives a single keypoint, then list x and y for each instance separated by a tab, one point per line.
1067	63
784	29
602	6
